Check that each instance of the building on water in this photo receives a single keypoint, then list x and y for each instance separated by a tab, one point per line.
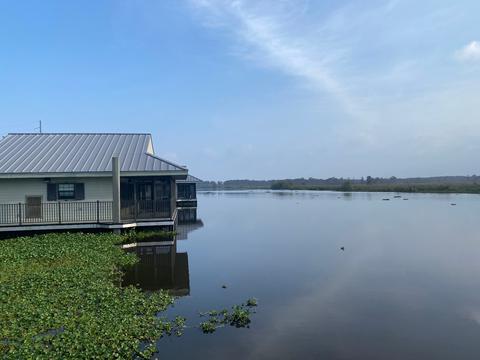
69	181
187	199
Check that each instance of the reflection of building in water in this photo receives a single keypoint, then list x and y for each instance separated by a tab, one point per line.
188	227
160	267
187	199
187	215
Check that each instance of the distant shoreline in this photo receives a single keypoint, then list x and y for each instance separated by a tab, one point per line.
378	185
435	189
351	191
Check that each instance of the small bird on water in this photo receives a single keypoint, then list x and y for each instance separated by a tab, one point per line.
342	248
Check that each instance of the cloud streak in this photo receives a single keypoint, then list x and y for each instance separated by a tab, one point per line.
469	53
269	37
382	64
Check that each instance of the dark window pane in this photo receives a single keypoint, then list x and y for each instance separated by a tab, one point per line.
66	191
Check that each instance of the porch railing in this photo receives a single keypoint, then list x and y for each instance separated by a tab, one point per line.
78	212
62	212
187	196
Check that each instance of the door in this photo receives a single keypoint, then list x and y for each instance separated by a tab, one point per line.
163	198
33	208
145	191
145	199
127	200
162	190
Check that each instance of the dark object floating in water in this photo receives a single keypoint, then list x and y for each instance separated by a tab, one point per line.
224	286
342	248
405	199
397	196
386	199
453	204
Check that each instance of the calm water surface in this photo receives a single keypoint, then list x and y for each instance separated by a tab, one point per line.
407	285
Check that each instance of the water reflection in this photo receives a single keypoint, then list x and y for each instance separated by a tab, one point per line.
184	229
406	286
161	265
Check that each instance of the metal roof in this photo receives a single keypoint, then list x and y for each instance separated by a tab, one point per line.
190	179
36	153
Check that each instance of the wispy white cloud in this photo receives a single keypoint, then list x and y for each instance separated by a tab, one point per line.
469	53
269	39
382	63
320	49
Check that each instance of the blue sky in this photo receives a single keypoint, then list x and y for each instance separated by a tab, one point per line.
254	89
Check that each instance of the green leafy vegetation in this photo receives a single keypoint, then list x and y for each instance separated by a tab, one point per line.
145	236
346	186
238	316
282	185
60	298
252	302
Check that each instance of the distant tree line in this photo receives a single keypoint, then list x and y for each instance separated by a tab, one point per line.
441	184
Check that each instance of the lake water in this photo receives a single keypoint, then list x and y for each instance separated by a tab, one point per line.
407	285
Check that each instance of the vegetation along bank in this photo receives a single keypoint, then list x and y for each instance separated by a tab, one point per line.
440	184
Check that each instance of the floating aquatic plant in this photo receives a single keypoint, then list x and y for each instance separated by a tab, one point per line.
145	236
60	299
238	316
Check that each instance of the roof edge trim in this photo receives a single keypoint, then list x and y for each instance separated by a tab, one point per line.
167	161
80	133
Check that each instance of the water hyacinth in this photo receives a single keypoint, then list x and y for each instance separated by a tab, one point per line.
59	297
238	316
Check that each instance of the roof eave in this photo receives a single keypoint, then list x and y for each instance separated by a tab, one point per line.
92	174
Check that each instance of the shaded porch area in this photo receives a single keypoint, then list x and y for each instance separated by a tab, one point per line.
145	198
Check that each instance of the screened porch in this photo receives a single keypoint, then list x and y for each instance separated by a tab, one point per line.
146	198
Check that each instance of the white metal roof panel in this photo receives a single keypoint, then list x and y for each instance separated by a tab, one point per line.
33	153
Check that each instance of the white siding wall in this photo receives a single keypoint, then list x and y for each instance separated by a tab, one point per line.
15	190
98	189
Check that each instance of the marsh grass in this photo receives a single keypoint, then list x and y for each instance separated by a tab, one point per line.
384	187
